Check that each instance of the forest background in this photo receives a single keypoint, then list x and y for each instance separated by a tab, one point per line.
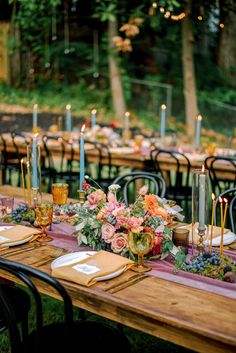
124	55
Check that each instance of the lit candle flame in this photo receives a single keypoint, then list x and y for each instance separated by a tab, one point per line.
35	106
127	114
93	111
163	107
213	197
82	129
220	199
199	117
68	107
225	200
203	168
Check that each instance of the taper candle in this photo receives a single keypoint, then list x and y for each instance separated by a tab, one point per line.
82	163
202	196
68	118
223	227
198	131
212	219
126	120
35	115
28	183
23	177
93	117
221	224
35	163
163	120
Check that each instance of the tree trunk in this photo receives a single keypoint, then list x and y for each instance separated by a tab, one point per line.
191	107
114	75
226	57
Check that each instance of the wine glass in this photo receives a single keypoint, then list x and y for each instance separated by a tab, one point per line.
141	244
43	218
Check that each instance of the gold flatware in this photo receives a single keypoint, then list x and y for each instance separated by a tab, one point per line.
48	258
137	275
128	283
20	250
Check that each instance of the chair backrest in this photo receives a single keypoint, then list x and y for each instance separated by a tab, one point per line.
174	178
222	172
30	278
230	195
131	182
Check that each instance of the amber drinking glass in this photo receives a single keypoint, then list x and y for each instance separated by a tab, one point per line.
140	244
43	218
59	193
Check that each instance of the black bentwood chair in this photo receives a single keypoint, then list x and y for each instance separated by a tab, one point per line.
230	195
65	336
131	182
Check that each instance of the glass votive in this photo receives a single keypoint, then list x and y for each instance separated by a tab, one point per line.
60	193
7	204
180	238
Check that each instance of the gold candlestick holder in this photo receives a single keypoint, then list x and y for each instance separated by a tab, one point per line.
81	197
201	247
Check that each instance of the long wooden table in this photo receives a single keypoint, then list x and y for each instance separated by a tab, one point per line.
193	318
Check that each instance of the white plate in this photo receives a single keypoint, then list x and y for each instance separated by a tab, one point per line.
74	257
228	238
14	243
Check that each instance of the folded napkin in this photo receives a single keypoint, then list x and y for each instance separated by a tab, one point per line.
16	233
86	271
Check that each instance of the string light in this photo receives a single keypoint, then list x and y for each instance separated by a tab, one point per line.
221	25
199	18
167	14
178	17
162	10
154	5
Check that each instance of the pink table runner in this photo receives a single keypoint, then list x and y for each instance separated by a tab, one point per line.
62	235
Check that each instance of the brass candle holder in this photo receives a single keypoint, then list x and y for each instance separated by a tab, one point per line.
81	197
201	247
36	196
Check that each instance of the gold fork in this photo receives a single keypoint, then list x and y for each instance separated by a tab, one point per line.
48	258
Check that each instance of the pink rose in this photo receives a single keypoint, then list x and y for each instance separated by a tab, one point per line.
119	242
95	198
108	232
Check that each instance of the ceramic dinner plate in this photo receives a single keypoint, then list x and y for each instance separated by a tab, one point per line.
69	259
229	238
14	243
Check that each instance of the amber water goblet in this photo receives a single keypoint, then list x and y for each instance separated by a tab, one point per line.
59	193
43	218
140	244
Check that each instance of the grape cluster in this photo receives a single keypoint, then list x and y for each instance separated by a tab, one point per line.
199	263
23	213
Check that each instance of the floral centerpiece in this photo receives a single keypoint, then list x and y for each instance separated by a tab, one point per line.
103	222
102	134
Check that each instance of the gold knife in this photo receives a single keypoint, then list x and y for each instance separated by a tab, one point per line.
137	275
18	251
127	284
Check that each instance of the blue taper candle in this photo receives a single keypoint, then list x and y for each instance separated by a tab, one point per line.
34	163
163	120
198	131
82	162
93	117
68	118
35	115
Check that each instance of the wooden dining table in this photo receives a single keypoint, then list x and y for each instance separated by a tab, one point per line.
191	317
120	157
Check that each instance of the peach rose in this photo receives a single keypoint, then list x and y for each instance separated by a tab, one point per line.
101	214
119	242
108	232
